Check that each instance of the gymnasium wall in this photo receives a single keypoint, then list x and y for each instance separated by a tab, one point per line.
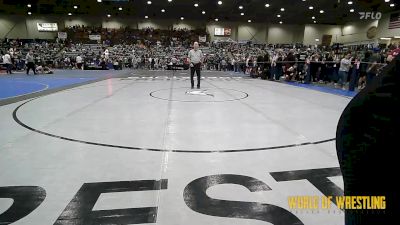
117	23
354	32
31	26
383	29
256	32
285	34
316	31
357	31
187	24
13	27
82	20
156	24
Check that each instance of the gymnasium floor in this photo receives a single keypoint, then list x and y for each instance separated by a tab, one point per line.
140	147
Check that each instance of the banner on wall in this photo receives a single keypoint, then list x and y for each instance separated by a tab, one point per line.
203	38
62	35
95	37
47	27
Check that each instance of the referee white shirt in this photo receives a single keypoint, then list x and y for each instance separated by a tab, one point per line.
195	56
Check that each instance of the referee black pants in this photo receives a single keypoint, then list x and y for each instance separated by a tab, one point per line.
195	68
29	66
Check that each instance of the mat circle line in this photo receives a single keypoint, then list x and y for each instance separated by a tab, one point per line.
173	100
17	120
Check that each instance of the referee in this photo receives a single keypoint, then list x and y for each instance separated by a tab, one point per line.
195	58
30	62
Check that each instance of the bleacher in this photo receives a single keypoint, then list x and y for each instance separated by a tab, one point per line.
85	50
45	52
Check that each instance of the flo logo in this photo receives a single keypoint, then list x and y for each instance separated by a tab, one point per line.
200	92
370	15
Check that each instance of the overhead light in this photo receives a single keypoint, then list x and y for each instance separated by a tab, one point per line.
387	0
386	38
267	5
169	0
321	11
282	9
242	14
29	13
149	2
280	22
278	15
350	2
29	5
311	7
99	1
75	6
316	39
182	18
313	17
203	12
249	21
240	7
391	5
69	14
196	5
108	15
216	19
396	37
146	17
120	8
315	21
219	2
351	10
163	10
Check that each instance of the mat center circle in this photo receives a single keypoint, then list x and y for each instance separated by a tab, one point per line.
206	94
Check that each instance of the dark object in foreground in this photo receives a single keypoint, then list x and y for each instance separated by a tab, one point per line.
367	145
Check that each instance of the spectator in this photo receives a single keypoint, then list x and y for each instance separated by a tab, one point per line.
248	63
290	62
345	65
366	133
7	62
223	65
79	62
372	69
279	66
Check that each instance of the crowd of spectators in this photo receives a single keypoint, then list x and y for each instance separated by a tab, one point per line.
354	66
157	49
147	36
44	52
